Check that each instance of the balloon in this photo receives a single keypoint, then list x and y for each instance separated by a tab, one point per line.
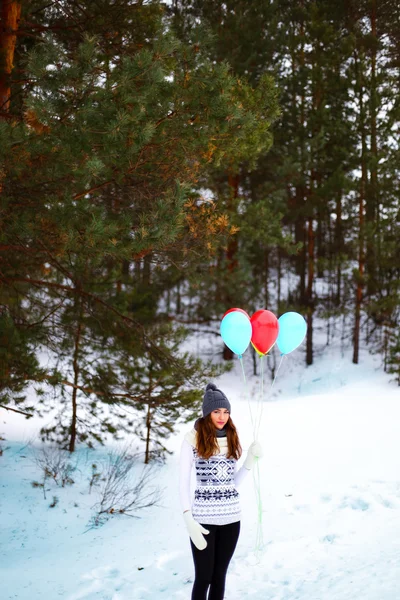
238	309
236	331
292	331
265	330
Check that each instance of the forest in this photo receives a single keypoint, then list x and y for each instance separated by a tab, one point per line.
163	162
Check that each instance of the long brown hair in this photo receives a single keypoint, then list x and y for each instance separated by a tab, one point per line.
207	441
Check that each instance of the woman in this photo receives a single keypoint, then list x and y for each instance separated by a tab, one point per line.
213	447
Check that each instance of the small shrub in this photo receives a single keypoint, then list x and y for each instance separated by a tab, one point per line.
2	447
123	492
55	465
94	479
36	484
54	503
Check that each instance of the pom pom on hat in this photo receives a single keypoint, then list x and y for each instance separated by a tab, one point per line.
211	386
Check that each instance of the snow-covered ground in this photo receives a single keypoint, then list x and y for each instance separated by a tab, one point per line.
330	482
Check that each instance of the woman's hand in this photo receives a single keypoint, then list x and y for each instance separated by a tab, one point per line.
255	451
195	531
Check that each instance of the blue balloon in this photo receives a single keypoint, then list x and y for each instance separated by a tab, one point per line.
236	331
292	331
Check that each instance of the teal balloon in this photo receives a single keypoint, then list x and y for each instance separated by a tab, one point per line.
292	331
236	331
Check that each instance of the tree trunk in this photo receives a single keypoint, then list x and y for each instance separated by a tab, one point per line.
372	202
254	358
266	277
148	417
227	353
76	369
360	277
232	250
231	253
338	248
314	202
148	429
146	271
124	274
310	302
302	196
178	298
296	199
9	23
320	243
278	308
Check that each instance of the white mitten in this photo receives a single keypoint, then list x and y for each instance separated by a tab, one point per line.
255	451
195	531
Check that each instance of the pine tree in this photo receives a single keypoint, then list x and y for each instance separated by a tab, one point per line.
325	182
166	399
239	274
393	360
109	137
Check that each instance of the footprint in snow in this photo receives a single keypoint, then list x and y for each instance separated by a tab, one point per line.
329	538
354	503
326	498
386	503
102	579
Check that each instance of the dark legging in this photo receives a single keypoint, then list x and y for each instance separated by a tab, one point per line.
211	564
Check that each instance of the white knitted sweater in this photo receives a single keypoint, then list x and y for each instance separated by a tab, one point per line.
216	499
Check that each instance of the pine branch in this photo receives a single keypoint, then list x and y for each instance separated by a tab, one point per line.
82	292
46	316
93	189
217	333
14	247
143	398
87	390
28	415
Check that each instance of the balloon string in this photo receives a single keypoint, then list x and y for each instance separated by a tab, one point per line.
277	371
270	389
257	486
256	424
246	391
260	403
256	475
256	472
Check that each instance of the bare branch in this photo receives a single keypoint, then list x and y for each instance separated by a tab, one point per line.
21	412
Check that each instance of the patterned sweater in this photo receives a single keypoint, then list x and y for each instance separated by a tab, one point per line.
216	499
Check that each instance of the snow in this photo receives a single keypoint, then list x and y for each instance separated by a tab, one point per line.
330	494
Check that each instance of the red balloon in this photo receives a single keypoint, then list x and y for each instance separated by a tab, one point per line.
238	310
265	329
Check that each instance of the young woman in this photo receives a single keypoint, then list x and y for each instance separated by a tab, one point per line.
213	520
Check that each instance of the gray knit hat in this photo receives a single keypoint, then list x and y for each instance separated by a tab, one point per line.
214	398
